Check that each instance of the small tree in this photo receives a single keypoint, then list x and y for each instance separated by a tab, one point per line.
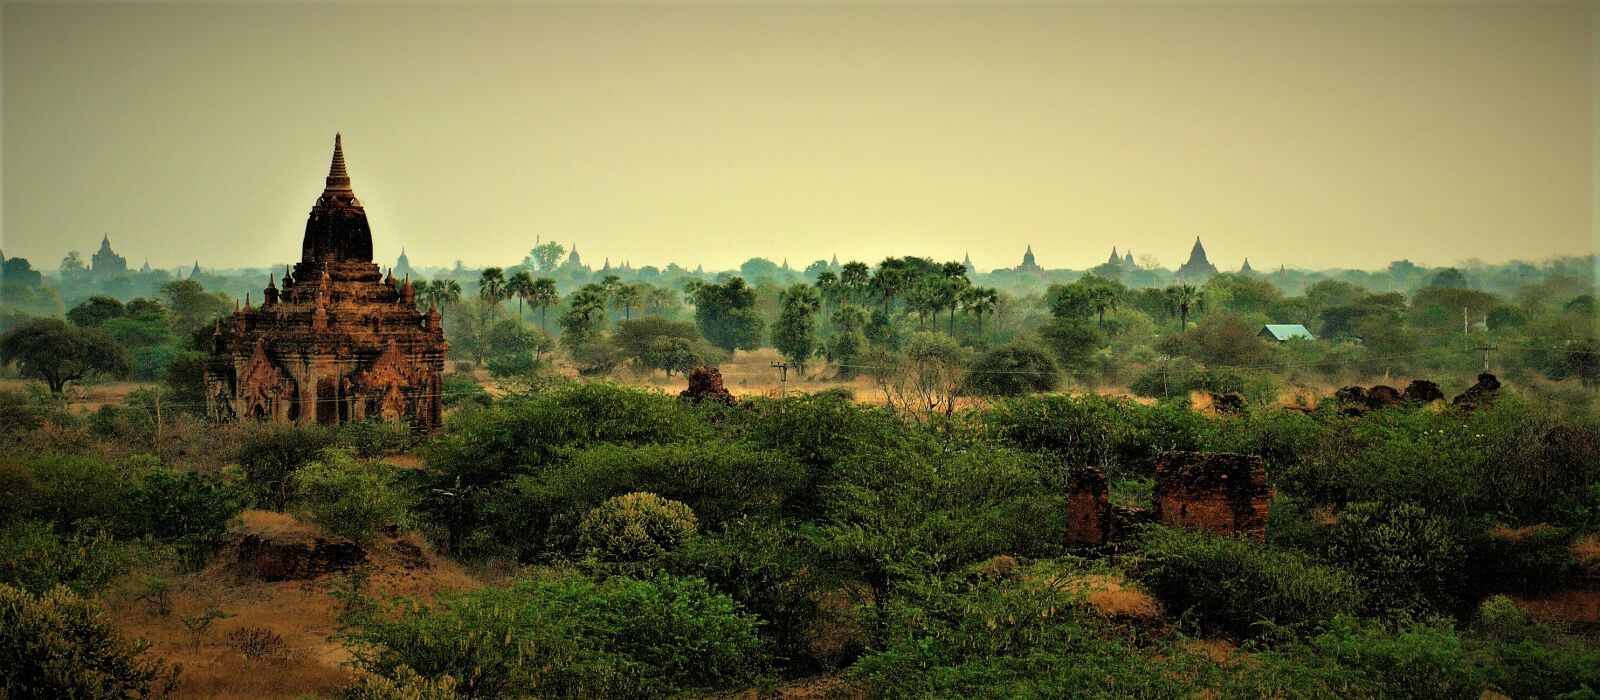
795	333
59	352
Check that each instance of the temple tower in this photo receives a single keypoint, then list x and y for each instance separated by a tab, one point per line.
338	341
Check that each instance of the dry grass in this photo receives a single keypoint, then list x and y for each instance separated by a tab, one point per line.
1587	551
1506	534
1111	596
303	613
1574	607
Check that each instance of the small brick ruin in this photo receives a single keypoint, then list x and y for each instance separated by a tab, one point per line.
1088	509
1356	400
1223	493
1485	391
705	384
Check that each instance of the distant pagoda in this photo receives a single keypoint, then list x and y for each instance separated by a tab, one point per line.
339	341
105	261
1028	263
1198	267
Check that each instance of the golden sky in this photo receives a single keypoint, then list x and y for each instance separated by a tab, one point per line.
1312	135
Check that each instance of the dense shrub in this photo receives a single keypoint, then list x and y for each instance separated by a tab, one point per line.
564	637
773	570
350	498
1013	370
374	438
524	431
270	453
719	481
56	644
1409	562
994	637
1235	585
635	527
35	558
187	510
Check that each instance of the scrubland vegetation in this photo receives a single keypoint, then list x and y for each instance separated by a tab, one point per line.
619	542
895	526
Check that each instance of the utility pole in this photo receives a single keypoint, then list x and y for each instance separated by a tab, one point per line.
1484	349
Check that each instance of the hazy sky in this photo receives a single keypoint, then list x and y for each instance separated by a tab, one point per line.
1306	135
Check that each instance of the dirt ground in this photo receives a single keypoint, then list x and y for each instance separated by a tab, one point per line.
302	613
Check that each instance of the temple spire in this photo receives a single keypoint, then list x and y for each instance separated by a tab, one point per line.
338	177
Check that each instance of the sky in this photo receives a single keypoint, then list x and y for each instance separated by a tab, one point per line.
1307	135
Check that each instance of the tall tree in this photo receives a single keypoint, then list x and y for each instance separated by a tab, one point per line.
543	294
855	276
1183	299
795	334
519	285
442	292
59	352
980	301
546	256
492	285
726	315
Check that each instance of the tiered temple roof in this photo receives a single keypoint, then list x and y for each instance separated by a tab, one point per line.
339	340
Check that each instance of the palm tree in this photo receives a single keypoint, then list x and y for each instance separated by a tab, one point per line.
956	284
980	301
543	295
1102	297
519	285
854	277
627	296
442	292
1183	297
658	298
492	285
889	280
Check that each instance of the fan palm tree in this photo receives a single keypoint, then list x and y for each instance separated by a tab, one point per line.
442	292
492	285
627	296
854	277
519	285
1103	297
980	301
1182	298
543	295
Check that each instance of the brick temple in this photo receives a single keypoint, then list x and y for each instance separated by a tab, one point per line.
339	341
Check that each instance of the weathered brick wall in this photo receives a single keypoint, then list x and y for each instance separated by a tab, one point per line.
1088	509
1222	493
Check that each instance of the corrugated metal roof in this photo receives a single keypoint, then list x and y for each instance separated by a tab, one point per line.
1286	331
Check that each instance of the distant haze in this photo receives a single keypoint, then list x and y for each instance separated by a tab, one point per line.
1309	135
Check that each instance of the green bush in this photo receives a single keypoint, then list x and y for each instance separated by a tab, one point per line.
1409	561
405	684
270	452
772	569
349	498
187	510
58	645
636	527
36	558
1022	367
1235	585
564	637
374	438
541	512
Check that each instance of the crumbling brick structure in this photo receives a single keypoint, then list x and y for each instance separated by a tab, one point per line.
705	384
1485	391
338	341
1088	509
1422	391
1223	493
